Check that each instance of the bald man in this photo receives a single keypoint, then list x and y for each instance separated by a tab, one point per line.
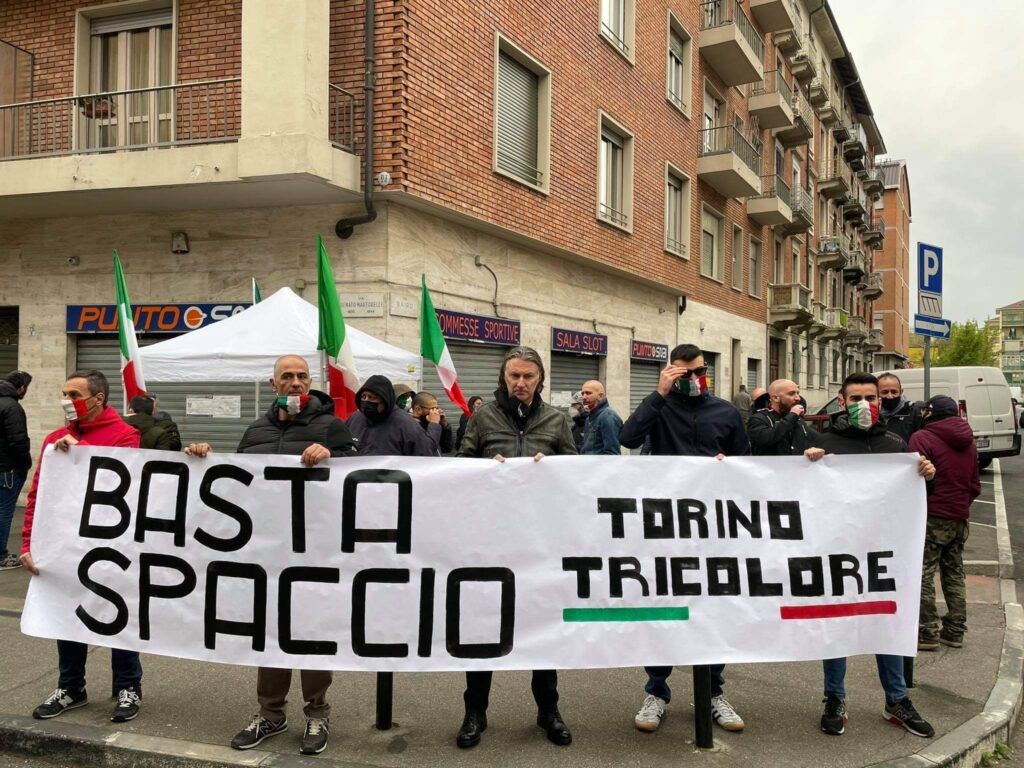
300	422
779	429
601	430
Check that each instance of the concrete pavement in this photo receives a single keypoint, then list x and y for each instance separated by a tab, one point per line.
192	709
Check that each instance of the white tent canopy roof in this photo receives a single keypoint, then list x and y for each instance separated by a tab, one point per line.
245	346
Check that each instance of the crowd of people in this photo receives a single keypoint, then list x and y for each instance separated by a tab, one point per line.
680	418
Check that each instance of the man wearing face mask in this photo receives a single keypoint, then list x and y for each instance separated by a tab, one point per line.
668	420
433	421
380	429
15	456
779	429
578	415
857	429
601	431
90	421
901	417
300	422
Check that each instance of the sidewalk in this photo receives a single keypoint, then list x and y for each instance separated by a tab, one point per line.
193	709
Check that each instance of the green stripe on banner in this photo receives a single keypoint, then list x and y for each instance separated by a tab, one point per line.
625	614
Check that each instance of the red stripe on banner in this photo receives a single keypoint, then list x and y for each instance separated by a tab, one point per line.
131	384
344	398
838	610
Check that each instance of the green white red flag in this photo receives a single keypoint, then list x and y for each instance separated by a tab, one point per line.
342	377
434	347
131	365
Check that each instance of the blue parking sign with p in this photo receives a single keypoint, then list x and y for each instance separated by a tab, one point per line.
929	268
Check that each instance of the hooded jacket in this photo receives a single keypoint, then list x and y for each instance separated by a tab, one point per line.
601	431
107	429
507	427
316	423
772	434
396	433
15	448
154	435
680	425
949	444
905	420
843	439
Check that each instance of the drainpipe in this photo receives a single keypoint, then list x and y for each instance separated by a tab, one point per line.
345	227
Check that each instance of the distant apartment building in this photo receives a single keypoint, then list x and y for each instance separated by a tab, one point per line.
602	188
892	310
1011	338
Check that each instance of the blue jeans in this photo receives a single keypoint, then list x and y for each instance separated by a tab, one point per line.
10	486
125	667
890	673
657	681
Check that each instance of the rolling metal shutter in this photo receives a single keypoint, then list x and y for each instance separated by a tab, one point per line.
222	433
8	359
144	20
517	119
568	373
478	366
643	379
753	369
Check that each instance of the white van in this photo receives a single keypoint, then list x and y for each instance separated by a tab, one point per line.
984	398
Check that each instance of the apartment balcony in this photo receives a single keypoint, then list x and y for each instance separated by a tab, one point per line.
802	129
788	42
855	210
805	63
729	42
817	92
771	101
841	131
836	324
729	162
874	287
872	182
774	15
801	203
856	331
771	207
832	253
874	341
817	325
856	267
855	148
789	304
828	113
874	235
834	182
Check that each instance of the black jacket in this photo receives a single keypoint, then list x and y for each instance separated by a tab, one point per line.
315	424
507	427
395	433
843	440
439	433
679	425
154	435
905	420
772	434
15	450
164	421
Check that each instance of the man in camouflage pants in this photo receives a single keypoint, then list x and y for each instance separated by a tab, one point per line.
948	441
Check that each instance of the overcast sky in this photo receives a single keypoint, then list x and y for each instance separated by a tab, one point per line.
945	80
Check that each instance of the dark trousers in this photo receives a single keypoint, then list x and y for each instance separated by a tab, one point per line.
657	681
125	667
544	685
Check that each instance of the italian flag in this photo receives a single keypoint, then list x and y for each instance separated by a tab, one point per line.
433	347
342	377
863	415
131	365
257	297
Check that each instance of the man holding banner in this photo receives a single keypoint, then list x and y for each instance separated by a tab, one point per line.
667	420
515	425
90	421
859	430
300	422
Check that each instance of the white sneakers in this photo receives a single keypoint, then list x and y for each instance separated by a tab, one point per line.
649	717
723	714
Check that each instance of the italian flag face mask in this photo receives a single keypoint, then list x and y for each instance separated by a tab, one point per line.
863	415
692	387
292	404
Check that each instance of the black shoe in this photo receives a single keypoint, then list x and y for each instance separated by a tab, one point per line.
473	726
127	707
903	714
833	719
258	729
314	738
557	731
953	641
59	702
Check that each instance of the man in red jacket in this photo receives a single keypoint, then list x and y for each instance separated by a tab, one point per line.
90	421
948	441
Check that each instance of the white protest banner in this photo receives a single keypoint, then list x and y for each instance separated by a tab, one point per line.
448	564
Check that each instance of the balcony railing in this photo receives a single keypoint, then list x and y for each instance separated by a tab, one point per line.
139	118
785	295
774	186
802	203
719	13
773	81
727	138
837	317
342	116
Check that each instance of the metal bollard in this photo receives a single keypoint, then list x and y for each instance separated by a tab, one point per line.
385	699
702	707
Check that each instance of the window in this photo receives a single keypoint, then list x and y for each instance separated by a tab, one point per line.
795	359
522	120
615	175
737	258
777	276
754	273
794	275
677	213
714	117
711	244
678	75
617	25
823	366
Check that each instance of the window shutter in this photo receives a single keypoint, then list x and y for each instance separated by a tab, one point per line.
676	46
517	119
145	20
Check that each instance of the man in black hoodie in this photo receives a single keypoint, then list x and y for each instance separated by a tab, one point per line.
901	416
779	429
381	429
300	422
682	418
15	456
